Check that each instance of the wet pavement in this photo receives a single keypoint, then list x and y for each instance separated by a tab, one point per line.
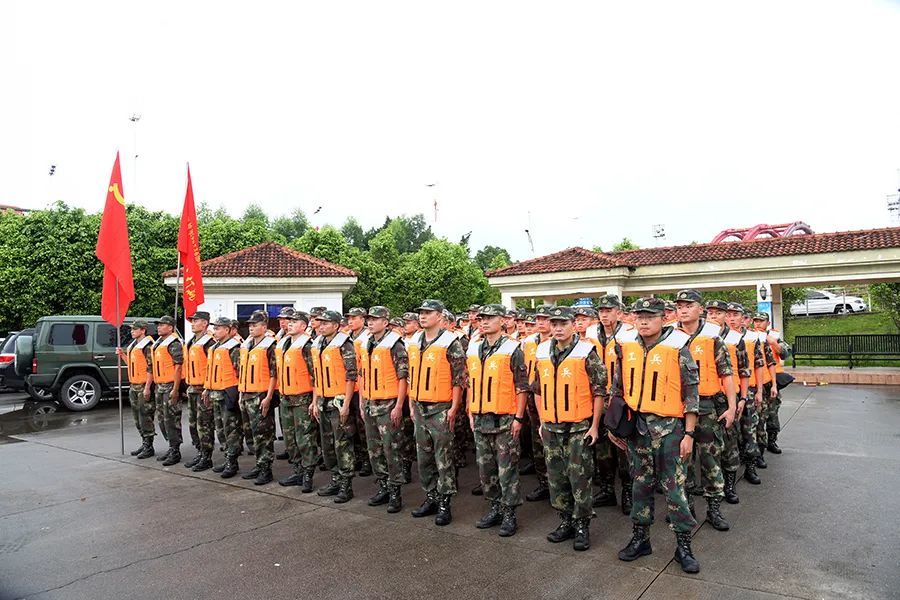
79	520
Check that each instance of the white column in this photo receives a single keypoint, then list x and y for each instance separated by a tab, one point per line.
507	300
777	316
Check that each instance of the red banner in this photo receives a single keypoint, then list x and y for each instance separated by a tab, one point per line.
189	250
114	252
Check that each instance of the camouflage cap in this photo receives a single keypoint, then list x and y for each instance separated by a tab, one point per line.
717	304
670	305
330	315
462	316
688	296
761	316
286	312
396	322
521	314
649	305
492	310
315	311
139	324
165	320
562	313
432	305
529	317
609	301
448	315
299	315
474	308
512	313
411	316
543	310
222	322
734	307
380	312
258	316
200	315
356	311
584	311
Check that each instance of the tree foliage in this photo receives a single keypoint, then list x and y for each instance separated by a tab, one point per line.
492	257
625	244
887	295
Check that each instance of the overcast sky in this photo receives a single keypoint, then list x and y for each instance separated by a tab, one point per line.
584	122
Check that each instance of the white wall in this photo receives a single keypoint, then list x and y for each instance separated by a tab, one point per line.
219	305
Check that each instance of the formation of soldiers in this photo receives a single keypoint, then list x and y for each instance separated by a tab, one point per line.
671	397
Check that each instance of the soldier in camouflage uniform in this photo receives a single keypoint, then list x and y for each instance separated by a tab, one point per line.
717	407
168	357
570	388
748	448
335	374
780	352
463	439
356	321
661	443
497	388
767	391
437	378
138	359
293	355
201	412
408	440
529	346
245	418
384	367
257	388
221	391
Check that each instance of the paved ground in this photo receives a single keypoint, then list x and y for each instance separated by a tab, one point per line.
78	520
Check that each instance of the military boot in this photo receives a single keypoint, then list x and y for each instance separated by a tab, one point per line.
139	449
190	464
541	492
684	555
582	534
381	495
443	516
607	494
773	443
264	477
296	478
731	496
282	455
163	457
760	460
510	525
565	531
429	506
253	474
307	484
331	488
492	518
231	468
173	459
478	490
750	472
147	452
638	545
203	464
626	498
221	467
395	500
345	491
365	468
714	515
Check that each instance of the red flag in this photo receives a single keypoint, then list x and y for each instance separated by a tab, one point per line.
115	253
189	250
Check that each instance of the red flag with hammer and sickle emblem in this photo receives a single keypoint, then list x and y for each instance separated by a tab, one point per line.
189	249
114	252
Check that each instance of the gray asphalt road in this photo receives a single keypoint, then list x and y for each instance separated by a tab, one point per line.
78	520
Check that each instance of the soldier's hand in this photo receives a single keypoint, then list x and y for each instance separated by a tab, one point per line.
516	429
147	393
451	419
264	405
120	353
728	417
345	413
774	392
591	435
397	415
617	441
174	398
313	410
472	422
740	410
686	447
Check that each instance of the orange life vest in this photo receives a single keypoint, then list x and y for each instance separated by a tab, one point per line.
732	339
293	374
492	388
703	349
763	342
137	360
652	379
197	360
377	372
565	388
750	344
779	363
529	348
328	364
220	372
358	343
430	377
163	365
255	373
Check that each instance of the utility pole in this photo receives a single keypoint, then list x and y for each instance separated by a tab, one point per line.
134	118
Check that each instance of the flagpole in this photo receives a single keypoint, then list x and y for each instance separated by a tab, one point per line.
177	279
119	371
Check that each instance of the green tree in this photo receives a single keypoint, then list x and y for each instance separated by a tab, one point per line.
492	257
887	295
625	244
354	233
443	270
292	226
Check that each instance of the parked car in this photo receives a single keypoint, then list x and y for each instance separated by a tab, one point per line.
820	302
10	380
73	359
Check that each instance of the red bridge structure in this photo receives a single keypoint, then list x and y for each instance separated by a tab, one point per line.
773	231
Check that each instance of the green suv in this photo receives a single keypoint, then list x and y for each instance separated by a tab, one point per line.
73	358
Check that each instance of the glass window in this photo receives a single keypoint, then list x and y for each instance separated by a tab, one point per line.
106	335
245	310
68	334
275	309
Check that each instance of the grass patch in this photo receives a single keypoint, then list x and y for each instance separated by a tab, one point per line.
841	325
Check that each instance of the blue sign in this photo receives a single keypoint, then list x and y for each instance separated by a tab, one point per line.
583	302
765	307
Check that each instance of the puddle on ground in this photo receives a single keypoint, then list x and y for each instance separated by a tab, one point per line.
35	417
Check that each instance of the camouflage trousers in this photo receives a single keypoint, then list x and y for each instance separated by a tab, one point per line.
385	441
497	456
359	431
169	413
193	396
609	459
232	424
301	434
709	442
408	440
570	469
245	425
730	458
762	432
537	445
205	421
434	445
142	410
337	439
749	423
659	458
219	420
463	440
773	423
262	426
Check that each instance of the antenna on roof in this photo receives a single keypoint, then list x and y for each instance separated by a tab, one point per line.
659	232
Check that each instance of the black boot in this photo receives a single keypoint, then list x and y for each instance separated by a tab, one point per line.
395	500
773	443
731	496
565	531
307	485
282	456
582	534
190	464
606	496
684	555
443	516
429	506
203	464
626	498
365	469
253	474
264	477
173	459
139	449
639	545
714	515
147	452
220	468
407	471
509	526
332	488
477	490
541	492
163	457
231	468
750	472
296	478
345	493
381	495
492	518
760	460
